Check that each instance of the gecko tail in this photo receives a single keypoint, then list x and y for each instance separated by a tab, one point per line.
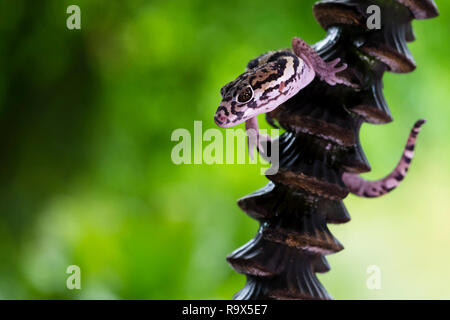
372	189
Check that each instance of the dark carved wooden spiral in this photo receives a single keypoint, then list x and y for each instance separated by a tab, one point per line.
320	143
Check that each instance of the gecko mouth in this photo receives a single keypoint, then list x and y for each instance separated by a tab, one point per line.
222	121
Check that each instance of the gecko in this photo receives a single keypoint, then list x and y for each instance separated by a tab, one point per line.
274	77
270	80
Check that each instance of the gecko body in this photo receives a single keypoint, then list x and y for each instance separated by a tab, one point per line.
276	76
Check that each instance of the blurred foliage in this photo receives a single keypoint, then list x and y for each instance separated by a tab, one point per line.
86	177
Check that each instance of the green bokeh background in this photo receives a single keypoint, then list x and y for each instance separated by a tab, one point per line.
86	176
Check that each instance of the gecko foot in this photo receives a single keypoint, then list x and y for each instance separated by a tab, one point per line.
326	70
261	142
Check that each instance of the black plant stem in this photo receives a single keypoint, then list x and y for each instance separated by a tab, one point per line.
320	143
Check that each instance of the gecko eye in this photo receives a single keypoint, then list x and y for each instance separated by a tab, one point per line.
245	95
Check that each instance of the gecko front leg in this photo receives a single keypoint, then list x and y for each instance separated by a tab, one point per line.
326	70
254	138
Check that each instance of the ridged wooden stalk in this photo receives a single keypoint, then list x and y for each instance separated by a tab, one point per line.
320	143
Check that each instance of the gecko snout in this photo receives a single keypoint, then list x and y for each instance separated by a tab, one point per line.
220	119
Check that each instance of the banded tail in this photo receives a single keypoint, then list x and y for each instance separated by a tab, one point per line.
378	188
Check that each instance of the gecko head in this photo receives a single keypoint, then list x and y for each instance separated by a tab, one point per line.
259	90
238	103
